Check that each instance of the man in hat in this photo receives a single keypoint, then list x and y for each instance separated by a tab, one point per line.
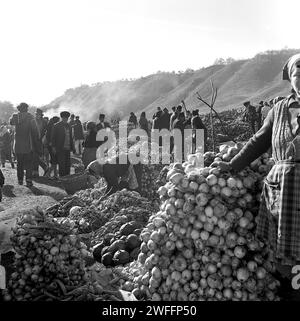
62	144
198	124
250	115
72	120
38	160
26	142
102	125
78	135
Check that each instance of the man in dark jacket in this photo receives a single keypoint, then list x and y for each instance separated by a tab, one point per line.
165	119
38	160
175	116
198	124
26	142
62	144
78	135
179	124
133	119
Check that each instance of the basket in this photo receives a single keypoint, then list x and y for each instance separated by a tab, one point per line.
75	182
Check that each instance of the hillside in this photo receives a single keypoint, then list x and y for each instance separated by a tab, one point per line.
253	79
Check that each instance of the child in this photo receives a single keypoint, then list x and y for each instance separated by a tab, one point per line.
1	184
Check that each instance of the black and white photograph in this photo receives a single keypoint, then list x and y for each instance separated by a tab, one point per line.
150	154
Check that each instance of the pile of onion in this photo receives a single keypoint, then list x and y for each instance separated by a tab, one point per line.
201	245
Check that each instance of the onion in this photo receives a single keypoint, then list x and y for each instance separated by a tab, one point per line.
221	182
215	190
231	182
211	268
243	222
226	191
209	211
252	266
228	294
242	274
208	227
211	179
240	252
261	273
195	234
226	270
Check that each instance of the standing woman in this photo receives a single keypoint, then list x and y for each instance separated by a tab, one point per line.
278	221
144	122
90	144
53	158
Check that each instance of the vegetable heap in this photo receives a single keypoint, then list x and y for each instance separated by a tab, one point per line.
150	175
201	244
117	242
49	261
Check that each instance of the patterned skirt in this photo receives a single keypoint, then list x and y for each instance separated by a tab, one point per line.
278	222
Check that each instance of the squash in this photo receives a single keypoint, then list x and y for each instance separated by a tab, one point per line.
108	237
117	245
107	259
121	257
127	229
132	241
97	251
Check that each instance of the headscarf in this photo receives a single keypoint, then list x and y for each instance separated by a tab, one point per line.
287	69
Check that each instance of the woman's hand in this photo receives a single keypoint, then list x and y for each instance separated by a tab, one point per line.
223	166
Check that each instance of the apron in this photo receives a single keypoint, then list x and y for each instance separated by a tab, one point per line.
278	222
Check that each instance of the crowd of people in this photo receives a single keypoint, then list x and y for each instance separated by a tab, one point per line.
35	141
180	118
256	115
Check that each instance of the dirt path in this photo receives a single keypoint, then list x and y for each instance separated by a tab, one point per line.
18	199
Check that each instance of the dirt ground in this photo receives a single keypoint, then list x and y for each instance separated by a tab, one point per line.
18	199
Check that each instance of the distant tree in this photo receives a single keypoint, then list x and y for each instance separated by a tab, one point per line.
189	70
220	61
229	61
224	61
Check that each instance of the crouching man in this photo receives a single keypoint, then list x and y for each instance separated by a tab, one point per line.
118	176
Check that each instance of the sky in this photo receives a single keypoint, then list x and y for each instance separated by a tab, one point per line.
48	46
